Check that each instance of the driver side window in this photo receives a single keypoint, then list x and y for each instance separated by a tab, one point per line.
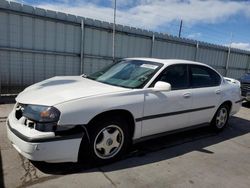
176	75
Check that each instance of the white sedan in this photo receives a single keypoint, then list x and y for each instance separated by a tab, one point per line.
97	117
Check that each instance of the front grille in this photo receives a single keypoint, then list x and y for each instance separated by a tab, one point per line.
245	86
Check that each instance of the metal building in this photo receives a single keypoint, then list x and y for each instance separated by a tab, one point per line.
36	44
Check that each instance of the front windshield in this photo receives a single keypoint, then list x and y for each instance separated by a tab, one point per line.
127	73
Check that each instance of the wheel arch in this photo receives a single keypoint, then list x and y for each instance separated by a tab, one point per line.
228	103
127	115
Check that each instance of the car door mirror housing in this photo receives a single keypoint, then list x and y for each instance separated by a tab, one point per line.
162	86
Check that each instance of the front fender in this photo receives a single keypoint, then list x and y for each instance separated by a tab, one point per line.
81	111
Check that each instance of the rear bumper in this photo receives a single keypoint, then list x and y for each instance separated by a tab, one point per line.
49	149
236	106
247	97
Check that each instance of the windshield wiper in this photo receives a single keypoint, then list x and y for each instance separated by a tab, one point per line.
112	84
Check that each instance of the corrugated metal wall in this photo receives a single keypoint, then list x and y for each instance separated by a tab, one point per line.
36	44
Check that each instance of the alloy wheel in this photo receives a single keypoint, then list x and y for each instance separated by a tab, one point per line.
221	117
108	142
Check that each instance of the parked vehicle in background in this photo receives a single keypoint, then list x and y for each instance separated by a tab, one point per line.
71	118
245	86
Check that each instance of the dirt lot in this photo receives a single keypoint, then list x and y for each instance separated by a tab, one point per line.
197	158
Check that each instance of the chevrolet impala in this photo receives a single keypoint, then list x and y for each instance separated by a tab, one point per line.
96	117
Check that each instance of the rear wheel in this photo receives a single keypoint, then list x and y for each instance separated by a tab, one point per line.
108	141
220	119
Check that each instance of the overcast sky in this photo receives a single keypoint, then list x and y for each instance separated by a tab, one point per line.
211	21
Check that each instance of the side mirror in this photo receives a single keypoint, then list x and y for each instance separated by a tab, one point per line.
162	86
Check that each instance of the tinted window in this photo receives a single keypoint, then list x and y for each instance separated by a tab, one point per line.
202	76
176	75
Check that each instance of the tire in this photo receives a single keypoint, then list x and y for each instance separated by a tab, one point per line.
220	119
108	141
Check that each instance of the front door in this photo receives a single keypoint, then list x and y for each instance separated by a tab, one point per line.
168	110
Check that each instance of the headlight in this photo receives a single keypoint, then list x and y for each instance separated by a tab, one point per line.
42	114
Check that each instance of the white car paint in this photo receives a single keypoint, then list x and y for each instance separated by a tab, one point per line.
165	102
79	100
65	88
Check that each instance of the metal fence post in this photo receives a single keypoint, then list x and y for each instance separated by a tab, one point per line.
227	62
0	81
82	46
196	51
228	54
248	64
152	45
113	37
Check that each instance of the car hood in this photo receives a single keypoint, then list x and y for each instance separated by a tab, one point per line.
62	89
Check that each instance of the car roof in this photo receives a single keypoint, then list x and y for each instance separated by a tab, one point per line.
167	61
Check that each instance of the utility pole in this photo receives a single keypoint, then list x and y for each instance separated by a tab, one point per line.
180	29
113	46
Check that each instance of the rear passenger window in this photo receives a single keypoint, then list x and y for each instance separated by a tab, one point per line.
201	76
176	75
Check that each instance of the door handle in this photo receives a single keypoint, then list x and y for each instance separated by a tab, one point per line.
187	95
218	91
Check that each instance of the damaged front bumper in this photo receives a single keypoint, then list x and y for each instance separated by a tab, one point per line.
44	146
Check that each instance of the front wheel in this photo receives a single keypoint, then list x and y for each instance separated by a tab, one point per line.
221	117
109	140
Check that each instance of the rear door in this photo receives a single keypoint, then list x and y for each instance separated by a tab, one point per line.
206	92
